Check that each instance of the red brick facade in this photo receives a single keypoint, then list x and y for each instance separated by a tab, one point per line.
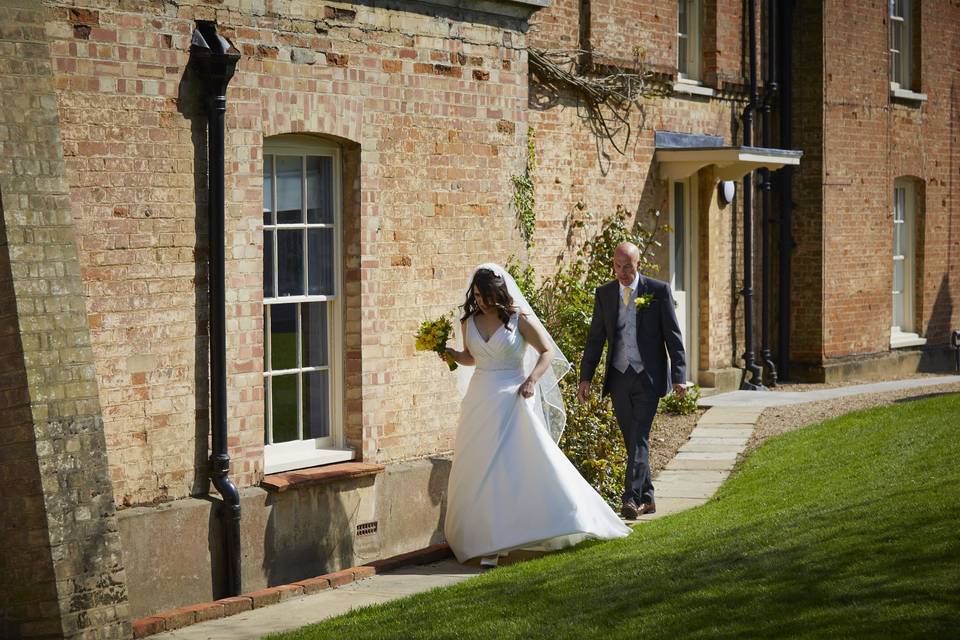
430	108
857	140
432	127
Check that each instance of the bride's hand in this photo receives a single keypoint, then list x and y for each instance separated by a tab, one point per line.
526	389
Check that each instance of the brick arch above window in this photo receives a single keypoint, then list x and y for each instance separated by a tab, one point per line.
332	117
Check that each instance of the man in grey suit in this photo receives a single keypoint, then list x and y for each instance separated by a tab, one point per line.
634	315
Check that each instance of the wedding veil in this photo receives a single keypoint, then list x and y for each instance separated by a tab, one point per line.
550	402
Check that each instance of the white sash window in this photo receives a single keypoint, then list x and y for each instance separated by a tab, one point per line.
688	41
302	295
903	330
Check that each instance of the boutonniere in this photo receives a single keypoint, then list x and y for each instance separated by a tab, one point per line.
643	301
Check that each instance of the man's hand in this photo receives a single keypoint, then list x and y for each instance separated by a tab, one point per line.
583	391
679	390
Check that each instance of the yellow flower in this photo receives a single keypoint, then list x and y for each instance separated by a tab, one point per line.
643	301
433	335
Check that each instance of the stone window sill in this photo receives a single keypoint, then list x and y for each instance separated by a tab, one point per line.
280	482
901	340
691	88
906	96
301	454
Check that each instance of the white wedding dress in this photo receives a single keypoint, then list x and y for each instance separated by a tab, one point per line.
511	487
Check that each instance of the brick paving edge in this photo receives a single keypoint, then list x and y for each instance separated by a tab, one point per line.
193	614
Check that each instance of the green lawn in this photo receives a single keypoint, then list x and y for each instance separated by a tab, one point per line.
847	529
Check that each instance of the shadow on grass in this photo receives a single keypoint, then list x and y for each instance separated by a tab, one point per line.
925	396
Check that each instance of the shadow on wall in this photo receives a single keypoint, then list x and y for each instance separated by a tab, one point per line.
28	590
190	105
310	531
437	492
941	314
938	331
215	547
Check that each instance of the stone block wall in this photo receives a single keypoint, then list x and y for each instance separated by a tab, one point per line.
62	573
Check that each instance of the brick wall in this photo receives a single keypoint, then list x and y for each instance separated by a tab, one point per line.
27	586
576	168
617	26
806	303
431	110
869	140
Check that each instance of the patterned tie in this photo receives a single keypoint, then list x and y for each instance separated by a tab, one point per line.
627	291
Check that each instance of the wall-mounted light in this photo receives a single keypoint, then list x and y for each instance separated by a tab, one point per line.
727	189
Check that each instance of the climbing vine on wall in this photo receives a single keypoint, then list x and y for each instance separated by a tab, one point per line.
524	195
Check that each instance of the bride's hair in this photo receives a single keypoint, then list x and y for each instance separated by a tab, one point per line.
494	291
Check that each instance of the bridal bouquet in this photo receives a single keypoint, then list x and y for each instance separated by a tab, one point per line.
432	336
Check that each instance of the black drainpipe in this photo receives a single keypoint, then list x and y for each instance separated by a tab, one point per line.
785	62
216	59
769	88
751	366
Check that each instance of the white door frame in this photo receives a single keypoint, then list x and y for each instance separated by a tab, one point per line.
686	292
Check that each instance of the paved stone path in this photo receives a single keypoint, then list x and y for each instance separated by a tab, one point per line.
780	398
689	480
298	612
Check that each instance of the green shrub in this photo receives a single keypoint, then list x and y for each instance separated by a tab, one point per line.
564	302
677	406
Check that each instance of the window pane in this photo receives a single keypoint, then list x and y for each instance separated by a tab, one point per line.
898	275
290	262
283	336
682	17
897	310
268	290
316	404
266	338
285	408
320	252
268	190
679	237
313	323
289	189
899	216
266	411
320	189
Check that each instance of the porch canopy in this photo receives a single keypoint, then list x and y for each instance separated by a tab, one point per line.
680	155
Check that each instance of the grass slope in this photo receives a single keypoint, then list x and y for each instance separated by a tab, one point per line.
847	529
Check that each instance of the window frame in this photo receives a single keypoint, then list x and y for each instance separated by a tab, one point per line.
302	453
906	88
694	55
904	334
689	229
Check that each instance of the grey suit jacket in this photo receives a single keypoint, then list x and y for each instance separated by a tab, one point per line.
657	335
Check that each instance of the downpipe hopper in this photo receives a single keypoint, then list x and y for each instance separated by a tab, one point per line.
214	56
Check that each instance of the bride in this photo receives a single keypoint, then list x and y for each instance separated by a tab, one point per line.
511	487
